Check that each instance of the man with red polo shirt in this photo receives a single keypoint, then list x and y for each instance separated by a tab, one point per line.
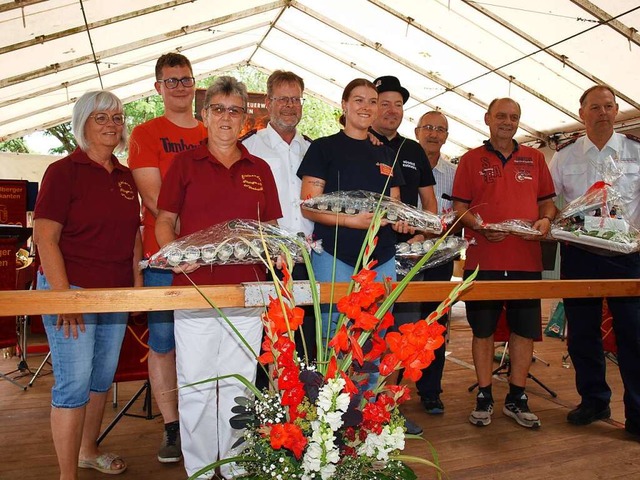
503	180
152	147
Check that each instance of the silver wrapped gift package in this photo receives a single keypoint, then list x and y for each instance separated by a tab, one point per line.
596	221
512	226
408	254
354	202
229	243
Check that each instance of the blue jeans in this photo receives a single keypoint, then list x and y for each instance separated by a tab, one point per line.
161	336
322	264
87	363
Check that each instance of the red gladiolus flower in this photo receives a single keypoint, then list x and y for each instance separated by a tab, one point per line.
364	276
349	386
289	436
414	345
288	378
350	306
369	293
388	364
400	393
365	321
332	368
279	315
379	346
292	398
386	322
356	352
267	357
340	340
375	415
286	351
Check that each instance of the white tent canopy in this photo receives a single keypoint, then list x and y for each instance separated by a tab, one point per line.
454	55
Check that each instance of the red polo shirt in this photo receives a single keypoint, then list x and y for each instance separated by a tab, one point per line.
204	192
154	144
500	191
100	216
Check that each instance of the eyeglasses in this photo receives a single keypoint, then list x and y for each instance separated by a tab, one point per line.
433	128
103	118
285	100
218	110
171	83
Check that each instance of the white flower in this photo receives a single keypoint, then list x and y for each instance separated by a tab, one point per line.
342	402
334	419
379	446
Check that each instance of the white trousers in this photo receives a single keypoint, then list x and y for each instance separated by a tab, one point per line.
206	347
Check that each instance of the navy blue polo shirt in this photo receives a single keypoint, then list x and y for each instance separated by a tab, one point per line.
416	169
345	163
415	166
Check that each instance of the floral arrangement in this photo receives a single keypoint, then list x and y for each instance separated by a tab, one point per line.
318	420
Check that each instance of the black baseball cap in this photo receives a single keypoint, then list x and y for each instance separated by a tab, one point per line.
389	83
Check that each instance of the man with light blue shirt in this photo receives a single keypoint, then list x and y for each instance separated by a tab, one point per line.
574	168
432	132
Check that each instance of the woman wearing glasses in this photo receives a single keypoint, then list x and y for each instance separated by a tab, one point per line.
214	183
86	228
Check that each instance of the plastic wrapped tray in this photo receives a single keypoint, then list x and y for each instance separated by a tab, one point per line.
407	255
357	201
230	243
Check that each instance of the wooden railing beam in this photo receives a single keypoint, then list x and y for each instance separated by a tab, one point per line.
25	302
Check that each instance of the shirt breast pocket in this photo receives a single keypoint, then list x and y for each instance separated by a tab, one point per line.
629	168
576	169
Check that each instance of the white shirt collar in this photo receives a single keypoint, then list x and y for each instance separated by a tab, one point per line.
613	143
275	139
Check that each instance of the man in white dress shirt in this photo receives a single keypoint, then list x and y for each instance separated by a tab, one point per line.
283	147
574	168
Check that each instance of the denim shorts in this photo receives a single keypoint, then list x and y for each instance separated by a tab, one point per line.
161	336
87	363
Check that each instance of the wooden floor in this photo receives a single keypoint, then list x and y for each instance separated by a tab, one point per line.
503	450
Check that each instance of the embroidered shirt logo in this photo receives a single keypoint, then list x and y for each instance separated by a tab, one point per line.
385	170
523	175
488	171
523	160
409	164
126	190
252	182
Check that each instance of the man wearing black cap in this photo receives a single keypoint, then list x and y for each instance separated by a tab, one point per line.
417	174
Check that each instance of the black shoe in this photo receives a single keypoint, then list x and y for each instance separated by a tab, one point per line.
433	405
411	427
632	429
586	414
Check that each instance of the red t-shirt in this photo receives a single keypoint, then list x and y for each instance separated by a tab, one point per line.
204	192
100	216
500	192
154	144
